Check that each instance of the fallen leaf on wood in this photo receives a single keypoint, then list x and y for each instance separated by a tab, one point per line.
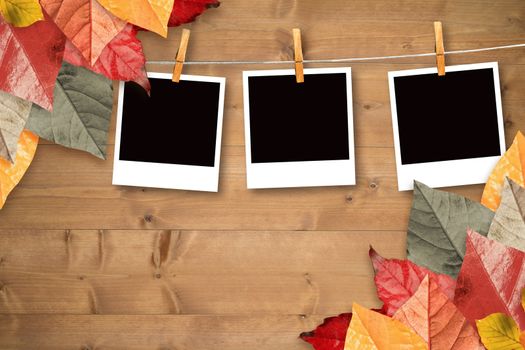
511	165
80	119
121	59
490	280
499	332
21	13
397	280
12	173
330	335
372	330
508	225
185	11
13	117
85	23
437	228
152	15
29	67
431	314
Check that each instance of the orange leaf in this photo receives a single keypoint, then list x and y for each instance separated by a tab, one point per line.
511	165
11	173
85	23
152	15
436	319
370	330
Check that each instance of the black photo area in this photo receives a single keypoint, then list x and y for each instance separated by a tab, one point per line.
291	122
176	125
447	118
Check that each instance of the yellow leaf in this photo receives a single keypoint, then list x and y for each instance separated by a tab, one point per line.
11	173
499	332
152	15
369	330
21	13
511	165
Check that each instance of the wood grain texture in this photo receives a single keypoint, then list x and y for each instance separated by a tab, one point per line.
87	265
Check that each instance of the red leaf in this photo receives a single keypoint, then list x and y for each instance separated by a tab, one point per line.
121	59
185	11
30	60
331	334
490	280
397	280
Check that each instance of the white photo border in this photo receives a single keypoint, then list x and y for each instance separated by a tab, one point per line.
171	176
306	173
437	174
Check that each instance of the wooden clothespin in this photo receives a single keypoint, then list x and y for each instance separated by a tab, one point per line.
181	55
440	48
298	55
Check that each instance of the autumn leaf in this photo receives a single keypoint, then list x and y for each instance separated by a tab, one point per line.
21	13
499	332
80	119
29	67
12	173
490	280
511	165
431	314
508	226
370	330
121	59
397	280
185	11
85	23
437	228
152	15
330	335
13	116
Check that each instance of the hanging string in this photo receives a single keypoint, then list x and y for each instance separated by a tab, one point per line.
341	60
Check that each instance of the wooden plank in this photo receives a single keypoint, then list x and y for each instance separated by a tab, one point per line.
134	332
189	272
80	196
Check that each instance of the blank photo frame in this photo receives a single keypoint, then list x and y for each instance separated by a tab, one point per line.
171	139
448	130
299	135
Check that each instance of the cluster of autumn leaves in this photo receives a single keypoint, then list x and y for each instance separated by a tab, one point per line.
462	286
57	65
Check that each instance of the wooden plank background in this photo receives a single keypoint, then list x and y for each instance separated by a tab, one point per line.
87	265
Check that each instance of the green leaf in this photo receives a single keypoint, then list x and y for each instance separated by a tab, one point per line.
499	332
508	226
81	111
437	228
14	112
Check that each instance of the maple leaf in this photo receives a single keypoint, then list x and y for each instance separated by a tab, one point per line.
122	59
431	314
374	331
12	173
508	226
152	15
397	280
85	23
490	279
30	60
511	165
330	335
185	11
437	228
21	13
